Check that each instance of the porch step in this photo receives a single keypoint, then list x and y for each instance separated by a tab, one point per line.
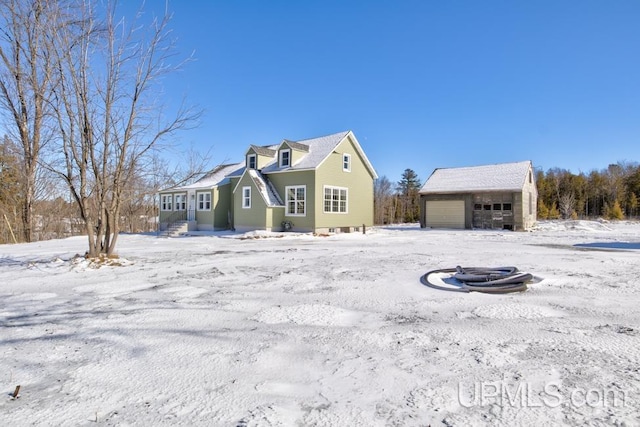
176	229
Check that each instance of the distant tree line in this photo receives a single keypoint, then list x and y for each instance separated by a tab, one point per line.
55	214
399	202
610	193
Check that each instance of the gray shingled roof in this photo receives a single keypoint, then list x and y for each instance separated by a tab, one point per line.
264	151
498	177
297	145
218	176
319	149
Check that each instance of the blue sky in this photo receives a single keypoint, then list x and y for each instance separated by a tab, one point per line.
423	84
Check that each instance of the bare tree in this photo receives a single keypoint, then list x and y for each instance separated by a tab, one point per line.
382	200
25	84
108	116
567	205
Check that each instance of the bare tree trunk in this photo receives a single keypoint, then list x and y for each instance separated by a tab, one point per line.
108	121
25	87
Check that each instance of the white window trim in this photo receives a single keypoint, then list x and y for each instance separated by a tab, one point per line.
246	200
280	160
206	201
180	202
346	159
346	200
166	202
286	203
255	161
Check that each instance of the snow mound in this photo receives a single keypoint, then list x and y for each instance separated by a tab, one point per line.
575	225
81	263
308	314
515	311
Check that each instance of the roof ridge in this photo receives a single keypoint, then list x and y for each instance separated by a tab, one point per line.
324	136
485	165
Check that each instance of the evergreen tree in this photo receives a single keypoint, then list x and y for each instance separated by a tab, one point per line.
554	213
614	211
408	196
543	210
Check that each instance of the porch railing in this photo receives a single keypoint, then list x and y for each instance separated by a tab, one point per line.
176	216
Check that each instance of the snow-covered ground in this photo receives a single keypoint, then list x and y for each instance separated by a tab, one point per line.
282	330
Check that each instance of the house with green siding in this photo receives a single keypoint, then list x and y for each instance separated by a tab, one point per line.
320	185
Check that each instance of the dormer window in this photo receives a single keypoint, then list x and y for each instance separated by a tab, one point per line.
346	162
285	158
251	161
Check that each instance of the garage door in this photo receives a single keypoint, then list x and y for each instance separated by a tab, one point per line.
445	213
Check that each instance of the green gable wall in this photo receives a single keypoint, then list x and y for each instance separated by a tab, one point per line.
360	189
256	216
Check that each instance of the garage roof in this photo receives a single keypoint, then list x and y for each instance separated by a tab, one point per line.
497	177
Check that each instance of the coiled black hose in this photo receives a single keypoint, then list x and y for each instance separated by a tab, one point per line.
480	279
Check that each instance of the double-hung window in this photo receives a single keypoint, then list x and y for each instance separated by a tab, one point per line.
346	162
335	199
204	201
166	204
285	158
181	202
296	200
251	161
246	197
